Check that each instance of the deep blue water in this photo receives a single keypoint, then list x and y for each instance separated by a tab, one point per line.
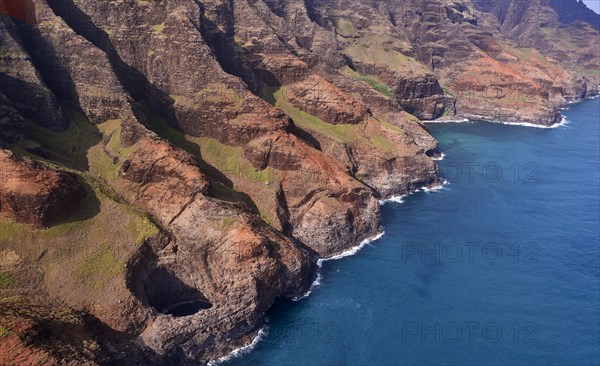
499	268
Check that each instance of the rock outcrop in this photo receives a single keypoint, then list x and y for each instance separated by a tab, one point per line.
36	195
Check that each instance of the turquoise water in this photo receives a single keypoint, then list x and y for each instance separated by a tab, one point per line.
501	267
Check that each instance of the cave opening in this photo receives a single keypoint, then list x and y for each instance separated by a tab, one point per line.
187	308
169	295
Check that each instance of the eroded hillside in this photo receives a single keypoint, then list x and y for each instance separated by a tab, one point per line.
169	168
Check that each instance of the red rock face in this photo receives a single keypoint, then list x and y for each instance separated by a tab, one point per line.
17	9
318	97
33	194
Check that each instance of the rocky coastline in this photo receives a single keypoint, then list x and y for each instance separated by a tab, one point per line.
205	156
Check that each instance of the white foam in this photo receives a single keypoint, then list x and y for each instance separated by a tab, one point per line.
436	188
463	120
439	158
524	124
395	199
316	283
352	251
356	249
400	198
344	254
562	122
262	333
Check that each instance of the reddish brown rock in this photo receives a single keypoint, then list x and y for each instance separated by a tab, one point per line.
33	194
315	95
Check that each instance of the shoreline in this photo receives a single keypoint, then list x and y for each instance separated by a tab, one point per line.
563	121
560	108
263	331
238	352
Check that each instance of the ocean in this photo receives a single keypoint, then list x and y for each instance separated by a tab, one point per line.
499	267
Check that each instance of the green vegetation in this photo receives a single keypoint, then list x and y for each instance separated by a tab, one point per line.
382	88
371	132
102	214
98	268
219	93
227	159
215	93
230	160
228	221
530	55
8	230
589	72
114	127
340	133
395	128
267	92
71	145
67	244
373	82
172	135
266	218
158	30
382	143
104	160
185	101
6	280
448	91
344	27
86	219
139	228
379	49
4	332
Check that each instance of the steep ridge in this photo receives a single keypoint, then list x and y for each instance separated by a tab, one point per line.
204	154
573	10
538	26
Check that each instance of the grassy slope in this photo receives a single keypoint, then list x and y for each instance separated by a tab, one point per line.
91	247
229	160
373	82
373	132
88	249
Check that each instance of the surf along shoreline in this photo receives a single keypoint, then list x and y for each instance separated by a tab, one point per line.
263	331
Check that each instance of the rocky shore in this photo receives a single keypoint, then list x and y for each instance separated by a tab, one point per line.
169	169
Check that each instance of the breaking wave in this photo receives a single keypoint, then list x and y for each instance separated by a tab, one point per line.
262	333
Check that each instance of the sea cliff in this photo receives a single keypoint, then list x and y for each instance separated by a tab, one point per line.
208	153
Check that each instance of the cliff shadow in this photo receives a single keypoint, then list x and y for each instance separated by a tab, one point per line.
66	142
169	295
89	206
159	287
